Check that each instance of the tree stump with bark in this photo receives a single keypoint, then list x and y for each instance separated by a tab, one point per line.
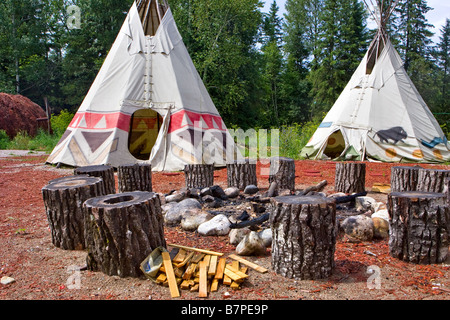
350	177
241	174
432	180
303	236
103	171
419	227
199	175
282	171
404	178
63	200
135	177
447	190
121	231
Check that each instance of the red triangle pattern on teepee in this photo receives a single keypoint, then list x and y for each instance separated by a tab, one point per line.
206	121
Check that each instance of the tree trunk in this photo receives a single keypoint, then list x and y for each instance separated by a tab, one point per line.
447	190
241	174
135	177
350	177
105	172
419	227
121	231
199	175
63	199
431	180
282	171
404	178
303	236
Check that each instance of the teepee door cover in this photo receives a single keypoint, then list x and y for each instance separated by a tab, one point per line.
146	72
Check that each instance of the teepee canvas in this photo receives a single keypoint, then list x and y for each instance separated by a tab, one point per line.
380	115
147	103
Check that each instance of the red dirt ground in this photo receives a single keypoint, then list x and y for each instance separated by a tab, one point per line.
41	271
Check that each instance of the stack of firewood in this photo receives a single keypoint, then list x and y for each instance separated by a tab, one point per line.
202	271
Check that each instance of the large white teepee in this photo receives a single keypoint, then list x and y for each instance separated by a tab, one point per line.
147	103
380	115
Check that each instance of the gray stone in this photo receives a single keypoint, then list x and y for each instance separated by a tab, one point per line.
266	237
382	214
192	218
252	244
178	196
7	280
251	189
217	226
206	192
232	192
175	212
358	227
236	235
208	198
380	228
364	203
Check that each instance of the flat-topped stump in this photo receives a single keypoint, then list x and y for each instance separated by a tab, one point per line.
419	227
135	177
121	231
303	236
432	180
282	171
103	171
63	200
350	177
404	178
241	174
199	175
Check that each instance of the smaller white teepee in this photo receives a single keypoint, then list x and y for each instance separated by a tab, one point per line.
380	115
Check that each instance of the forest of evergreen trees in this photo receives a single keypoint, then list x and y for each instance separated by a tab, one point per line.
261	69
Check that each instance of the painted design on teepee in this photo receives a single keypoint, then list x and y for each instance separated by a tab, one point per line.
95	139
395	134
64	137
77	153
184	118
101	121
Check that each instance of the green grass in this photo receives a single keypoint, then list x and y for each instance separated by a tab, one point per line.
292	139
43	141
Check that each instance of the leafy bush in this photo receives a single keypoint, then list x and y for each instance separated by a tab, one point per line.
4	140
61	122
295	137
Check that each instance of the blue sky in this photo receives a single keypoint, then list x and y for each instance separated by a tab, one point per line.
435	17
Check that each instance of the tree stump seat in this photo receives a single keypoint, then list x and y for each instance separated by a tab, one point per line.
63	200
303	236
432	180
404	178
241	174
121	231
103	171
282	171
419	226
350	177
199	175
135	177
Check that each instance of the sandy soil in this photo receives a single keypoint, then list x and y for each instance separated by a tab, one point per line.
41	271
